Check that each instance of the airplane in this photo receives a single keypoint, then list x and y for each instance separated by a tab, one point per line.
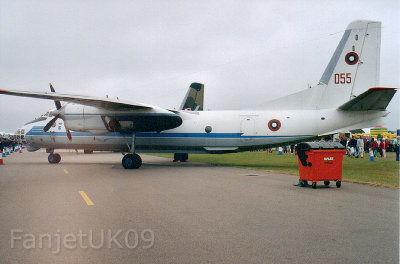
346	97
55	137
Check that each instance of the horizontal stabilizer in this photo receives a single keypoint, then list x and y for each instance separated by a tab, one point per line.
376	98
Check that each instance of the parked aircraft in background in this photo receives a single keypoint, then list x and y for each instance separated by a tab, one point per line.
55	137
346	97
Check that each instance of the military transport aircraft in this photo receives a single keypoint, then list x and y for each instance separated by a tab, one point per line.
346	97
55	137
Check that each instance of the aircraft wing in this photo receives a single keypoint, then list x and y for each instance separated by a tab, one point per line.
106	103
376	98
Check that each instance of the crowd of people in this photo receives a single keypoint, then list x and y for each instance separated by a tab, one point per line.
7	143
355	147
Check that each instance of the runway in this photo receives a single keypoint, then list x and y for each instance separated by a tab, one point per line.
190	212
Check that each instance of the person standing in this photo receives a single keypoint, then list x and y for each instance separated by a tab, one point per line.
13	145
383	146
379	150
360	147
348	147
374	147
353	147
343	141
396	145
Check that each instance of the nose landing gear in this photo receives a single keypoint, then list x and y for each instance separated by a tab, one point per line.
54	158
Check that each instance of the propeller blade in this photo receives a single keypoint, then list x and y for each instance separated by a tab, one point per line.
50	123
56	102
52	88
68	134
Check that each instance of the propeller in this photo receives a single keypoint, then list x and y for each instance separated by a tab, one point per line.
51	123
57	103
57	115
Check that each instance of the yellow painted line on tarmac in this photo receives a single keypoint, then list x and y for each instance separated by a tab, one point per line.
66	172
86	198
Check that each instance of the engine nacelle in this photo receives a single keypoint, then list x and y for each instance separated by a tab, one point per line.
83	118
100	121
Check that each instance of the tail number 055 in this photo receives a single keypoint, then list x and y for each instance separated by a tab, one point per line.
342	78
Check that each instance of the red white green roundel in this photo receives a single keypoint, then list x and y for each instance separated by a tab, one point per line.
351	58
274	124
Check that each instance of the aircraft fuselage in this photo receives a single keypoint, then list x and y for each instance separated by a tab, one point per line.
204	131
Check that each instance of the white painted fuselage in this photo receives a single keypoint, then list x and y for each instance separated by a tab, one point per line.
200	132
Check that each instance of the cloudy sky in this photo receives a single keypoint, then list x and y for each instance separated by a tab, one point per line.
245	52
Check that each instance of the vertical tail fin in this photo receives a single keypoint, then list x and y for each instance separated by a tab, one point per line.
194	98
354	66
352	70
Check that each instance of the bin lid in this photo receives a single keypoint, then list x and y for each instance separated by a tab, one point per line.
319	145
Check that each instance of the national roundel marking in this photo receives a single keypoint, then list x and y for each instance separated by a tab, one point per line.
351	58
274	124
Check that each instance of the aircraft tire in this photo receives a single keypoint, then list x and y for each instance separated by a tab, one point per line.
54	158
181	157
131	161
58	157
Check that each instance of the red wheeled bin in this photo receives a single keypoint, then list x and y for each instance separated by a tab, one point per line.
320	161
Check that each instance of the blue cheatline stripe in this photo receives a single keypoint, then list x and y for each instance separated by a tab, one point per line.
126	114
38	131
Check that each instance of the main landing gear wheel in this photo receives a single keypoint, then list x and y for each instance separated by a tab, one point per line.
326	183
131	161
54	158
181	157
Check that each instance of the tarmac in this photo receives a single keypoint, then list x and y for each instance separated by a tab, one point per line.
88	209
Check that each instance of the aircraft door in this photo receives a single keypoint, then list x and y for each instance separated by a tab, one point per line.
247	128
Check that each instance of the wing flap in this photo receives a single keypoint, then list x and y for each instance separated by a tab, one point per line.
376	98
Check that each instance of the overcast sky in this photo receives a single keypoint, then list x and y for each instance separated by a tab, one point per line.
245	52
